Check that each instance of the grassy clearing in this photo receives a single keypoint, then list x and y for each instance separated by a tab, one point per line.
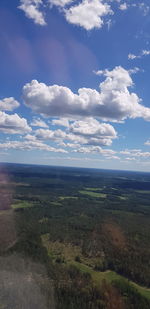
64	251
93	189
20	184
122	212
110	276
56	203
68	197
122	198
68	252
22	204
143	191
93	194
143	290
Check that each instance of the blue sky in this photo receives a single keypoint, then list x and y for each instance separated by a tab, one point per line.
74	83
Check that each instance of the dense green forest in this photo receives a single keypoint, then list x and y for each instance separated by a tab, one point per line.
83	235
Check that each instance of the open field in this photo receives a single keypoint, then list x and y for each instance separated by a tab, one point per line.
93	194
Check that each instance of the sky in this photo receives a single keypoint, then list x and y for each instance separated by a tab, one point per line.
75	83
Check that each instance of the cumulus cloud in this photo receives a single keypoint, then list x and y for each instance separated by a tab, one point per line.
88	14
61	3
30	137
95	149
85	132
13	124
94	132
30	145
8	104
135	153
50	134
63	122
37	122
114	101
32	10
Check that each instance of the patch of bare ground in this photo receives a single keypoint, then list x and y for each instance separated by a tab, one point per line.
112	297
115	234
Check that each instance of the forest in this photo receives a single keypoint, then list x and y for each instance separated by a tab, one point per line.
78	238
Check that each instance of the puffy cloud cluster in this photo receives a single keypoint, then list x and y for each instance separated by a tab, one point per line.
85	132
8	104
32	10
114	101
29	145
88	14
96	149
135	153
63	122
93	132
37	122
13	124
51	135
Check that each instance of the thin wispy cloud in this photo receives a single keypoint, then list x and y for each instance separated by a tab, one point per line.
142	54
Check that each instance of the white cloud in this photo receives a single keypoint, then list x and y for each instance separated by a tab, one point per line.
123	6
50	134
13	124
114	102
30	145
85	132
37	122
64	122
61	3
143	53
135	153
88	14
8	104
144	8
130	159
135	70
132	56
147	143
113	158
32	10
95	149
91	127
93	132
30	137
